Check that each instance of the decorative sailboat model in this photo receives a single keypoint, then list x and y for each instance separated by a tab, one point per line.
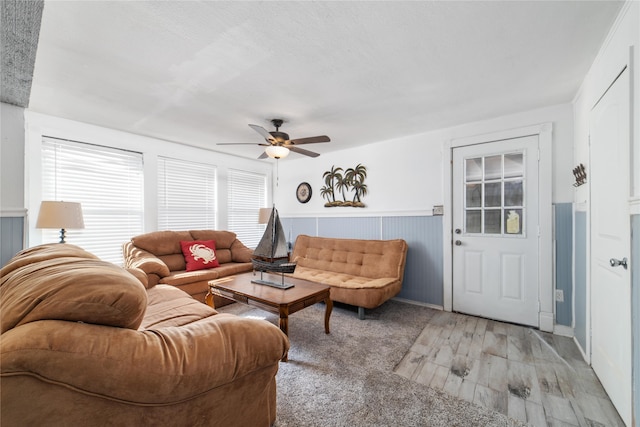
271	253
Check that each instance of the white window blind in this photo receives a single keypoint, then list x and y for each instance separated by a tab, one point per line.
247	194
109	185
186	195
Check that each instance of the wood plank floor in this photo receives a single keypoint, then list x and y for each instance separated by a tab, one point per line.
532	376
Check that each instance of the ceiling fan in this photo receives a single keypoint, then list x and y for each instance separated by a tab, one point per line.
278	143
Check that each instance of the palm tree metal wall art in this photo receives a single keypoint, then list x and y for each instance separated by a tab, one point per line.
344	181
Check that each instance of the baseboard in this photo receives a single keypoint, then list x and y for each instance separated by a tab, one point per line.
546	321
582	352
562	330
422	304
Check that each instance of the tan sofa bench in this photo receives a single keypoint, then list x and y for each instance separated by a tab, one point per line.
160	256
363	273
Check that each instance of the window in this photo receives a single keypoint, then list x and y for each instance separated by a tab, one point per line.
247	194
186	195
494	194
107	182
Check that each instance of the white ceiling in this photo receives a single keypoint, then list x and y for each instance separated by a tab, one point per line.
198	72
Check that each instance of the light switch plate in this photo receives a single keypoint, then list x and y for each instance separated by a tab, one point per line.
438	210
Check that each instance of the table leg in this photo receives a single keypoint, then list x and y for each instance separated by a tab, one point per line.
284	323
327	314
284	327
209	299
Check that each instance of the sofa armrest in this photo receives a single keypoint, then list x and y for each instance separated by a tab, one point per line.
240	253
161	366
135	257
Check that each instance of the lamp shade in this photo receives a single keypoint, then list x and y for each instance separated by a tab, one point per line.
60	215
277	151
263	215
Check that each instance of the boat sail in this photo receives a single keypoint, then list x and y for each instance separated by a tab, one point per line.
271	253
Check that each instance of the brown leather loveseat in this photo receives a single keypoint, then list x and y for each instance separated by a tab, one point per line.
160	256
83	343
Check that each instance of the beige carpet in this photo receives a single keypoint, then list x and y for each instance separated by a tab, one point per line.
347	378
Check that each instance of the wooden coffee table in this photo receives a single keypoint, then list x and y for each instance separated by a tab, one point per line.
279	301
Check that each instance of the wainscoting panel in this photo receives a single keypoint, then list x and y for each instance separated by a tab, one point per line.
11	237
635	308
296	226
423	270
580	279
350	228
564	252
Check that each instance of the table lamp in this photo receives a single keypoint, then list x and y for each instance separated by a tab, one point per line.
62	215
263	215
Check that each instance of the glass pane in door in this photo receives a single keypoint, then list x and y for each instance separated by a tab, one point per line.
513	194
492	221
473	169
474	195
493	194
513	165
513	221
473	221
493	167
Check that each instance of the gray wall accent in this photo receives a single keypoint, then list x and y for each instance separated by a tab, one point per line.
635	310
350	228
11	237
580	279
19	42
564	253
423	271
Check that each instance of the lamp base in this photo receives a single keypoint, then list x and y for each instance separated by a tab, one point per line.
62	235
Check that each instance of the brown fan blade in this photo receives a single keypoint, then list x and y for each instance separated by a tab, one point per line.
310	140
262	131
302	151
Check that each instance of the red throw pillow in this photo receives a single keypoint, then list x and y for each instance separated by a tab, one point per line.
199	254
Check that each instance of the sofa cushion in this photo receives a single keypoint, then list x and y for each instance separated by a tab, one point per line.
169	306
342	280
161	242
199	254
364	258
69	284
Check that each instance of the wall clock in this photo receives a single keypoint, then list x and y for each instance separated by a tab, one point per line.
303	192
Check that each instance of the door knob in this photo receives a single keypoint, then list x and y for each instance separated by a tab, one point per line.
458	243
458	231
617	262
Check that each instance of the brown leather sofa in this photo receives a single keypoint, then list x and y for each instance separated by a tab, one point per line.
84	343
160	256
361	272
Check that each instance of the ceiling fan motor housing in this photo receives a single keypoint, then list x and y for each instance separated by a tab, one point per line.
279	136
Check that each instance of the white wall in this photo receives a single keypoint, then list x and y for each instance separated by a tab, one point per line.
622	44
11	159
405	175
39	125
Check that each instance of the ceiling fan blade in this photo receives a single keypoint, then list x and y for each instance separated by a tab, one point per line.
310	140
262	131
302	151
239	143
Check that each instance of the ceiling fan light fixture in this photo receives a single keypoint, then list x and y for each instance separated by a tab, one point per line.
277	151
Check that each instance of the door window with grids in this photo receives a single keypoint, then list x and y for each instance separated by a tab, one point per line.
494	195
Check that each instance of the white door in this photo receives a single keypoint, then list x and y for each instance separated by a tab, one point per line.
495	223
610	239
